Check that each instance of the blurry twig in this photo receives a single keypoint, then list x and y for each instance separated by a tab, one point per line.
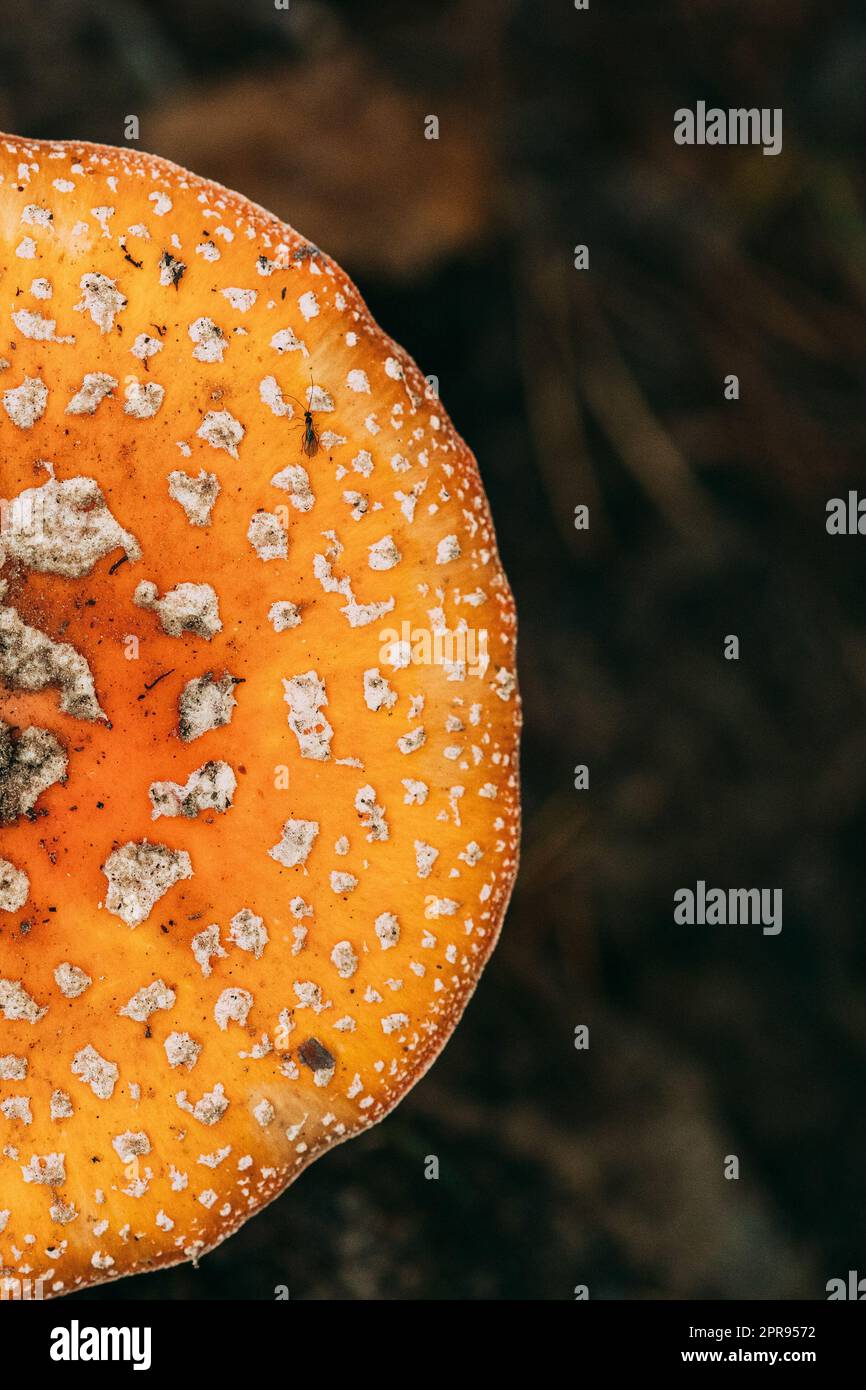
548	367
640	441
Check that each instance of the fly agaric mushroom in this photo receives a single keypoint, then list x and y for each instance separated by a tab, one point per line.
258	732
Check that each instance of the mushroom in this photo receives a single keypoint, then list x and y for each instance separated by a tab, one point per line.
258	750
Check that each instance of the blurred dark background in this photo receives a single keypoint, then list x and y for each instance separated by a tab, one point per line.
605	387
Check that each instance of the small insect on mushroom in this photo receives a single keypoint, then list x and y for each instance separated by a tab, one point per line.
310	441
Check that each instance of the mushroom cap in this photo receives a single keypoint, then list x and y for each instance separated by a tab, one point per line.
259	722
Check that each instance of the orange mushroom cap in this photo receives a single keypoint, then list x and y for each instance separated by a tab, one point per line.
258	734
